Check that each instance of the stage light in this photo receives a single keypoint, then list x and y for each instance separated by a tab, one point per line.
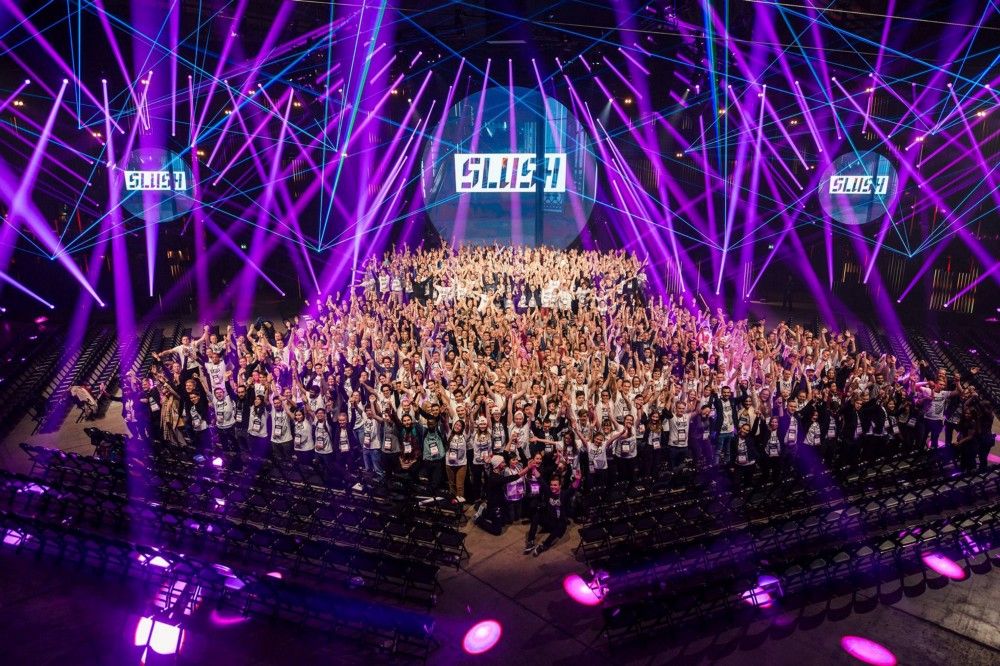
160	637
482	637
722	112
154	561
628	100
943	565
581	592
14	538
27	82
980	113
867	651
678	154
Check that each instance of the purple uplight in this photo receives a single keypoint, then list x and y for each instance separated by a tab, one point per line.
757	597
580	592
765	593
154	561
867	651
161	637
482	637
14	538
943	565
217	462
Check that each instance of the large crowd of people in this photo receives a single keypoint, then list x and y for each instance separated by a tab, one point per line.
519	380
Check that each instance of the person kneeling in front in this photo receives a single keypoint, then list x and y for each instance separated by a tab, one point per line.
550	516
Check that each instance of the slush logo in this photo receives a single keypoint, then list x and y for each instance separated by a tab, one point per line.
877	185
508	172
155	181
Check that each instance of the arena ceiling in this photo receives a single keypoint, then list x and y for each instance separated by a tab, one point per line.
716	123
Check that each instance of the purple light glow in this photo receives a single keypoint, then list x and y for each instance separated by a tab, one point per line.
14	538
943	565
867	651
155	561
162	638
217	462
580	592
757	597
274	574
222	620
482	637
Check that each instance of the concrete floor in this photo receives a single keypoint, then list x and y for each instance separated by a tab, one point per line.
52	614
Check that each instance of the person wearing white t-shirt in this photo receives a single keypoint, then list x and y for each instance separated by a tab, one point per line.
935	396
224	410
281	429
303	443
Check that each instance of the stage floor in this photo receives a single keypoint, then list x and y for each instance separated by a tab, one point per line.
64	617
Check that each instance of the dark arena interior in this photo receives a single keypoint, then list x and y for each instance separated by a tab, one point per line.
499	332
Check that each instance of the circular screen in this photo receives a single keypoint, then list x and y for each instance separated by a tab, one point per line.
858	188
156	181
509	165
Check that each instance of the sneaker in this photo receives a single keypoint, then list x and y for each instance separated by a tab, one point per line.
460	499
538	550
529	546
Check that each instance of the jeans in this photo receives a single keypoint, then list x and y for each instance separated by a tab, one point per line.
933	431
368	457
723	444
555	527
676	456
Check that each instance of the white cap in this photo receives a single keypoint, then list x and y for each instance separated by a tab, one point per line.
496	461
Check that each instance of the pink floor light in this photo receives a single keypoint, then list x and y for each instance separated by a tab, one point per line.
867	651
580	592
482	637
945	566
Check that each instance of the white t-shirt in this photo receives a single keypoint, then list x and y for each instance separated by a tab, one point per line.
303	435
225	412
281	431
216	374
